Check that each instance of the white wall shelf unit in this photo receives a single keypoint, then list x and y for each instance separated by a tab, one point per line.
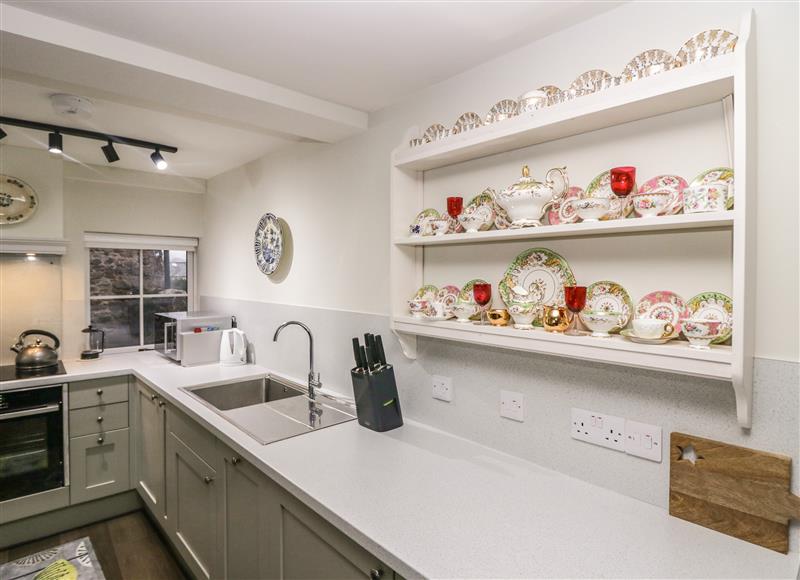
698	221
699	84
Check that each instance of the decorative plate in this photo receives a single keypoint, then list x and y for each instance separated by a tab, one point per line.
663	305
706	45
427	292
465	296
502	110
713	306
591	81
419	227
448	295
649	63
467	122
629	334
601	187
717	175
554	95
607	296
537	275
562	212
435	132
674	183
268	243
484	203
18	201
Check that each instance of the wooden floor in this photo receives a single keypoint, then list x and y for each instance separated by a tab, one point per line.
128	548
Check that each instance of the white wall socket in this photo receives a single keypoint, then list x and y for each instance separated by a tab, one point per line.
599	429
442	388
512	405
643	440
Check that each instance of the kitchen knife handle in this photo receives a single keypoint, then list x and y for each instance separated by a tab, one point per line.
365	354
379	348
357	353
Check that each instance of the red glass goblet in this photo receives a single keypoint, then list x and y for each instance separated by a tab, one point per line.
622	180
483	295
575	297
455	205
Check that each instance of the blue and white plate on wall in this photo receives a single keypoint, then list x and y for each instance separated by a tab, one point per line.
268	243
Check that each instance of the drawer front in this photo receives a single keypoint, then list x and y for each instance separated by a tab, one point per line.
97	419
98	392
198	439
99	465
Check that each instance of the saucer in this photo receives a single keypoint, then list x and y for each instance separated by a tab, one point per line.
438	318
628	333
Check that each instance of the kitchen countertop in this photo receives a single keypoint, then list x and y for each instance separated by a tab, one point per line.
431	504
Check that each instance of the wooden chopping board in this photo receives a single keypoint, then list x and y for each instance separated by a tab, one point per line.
734	490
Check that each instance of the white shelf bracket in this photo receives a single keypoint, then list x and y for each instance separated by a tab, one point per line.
408	343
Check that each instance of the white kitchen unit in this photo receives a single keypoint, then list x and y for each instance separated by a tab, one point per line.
715	80
149	438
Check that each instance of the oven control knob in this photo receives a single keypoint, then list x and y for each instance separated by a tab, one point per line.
99	392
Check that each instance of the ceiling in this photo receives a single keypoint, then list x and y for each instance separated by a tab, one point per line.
226	82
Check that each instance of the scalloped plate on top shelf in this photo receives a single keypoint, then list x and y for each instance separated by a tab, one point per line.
467	122
705	45
648	63
591	81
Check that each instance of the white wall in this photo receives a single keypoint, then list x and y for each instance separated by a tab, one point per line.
335	199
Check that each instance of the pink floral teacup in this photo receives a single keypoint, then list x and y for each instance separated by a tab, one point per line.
419	307
701	331
652	203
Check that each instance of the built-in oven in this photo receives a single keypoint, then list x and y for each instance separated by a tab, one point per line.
33	441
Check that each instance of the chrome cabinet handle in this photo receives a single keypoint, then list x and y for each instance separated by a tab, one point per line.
100	419
375	574
236	460
100	439
208	479
161	403
153	397
99	392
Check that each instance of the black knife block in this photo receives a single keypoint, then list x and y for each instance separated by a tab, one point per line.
377	403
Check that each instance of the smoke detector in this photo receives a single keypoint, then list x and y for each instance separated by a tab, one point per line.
71	105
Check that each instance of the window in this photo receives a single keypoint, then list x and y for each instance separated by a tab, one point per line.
128	285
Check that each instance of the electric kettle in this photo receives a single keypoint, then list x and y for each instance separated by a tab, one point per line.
233	346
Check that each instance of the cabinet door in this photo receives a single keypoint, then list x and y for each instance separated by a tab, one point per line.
98	465
245	520
303	545
149	448
194	509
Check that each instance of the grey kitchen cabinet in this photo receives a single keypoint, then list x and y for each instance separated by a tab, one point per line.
195	514
246	534
149	448
99	465
302	545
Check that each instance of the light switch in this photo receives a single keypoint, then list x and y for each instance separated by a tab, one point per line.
647	441
643	440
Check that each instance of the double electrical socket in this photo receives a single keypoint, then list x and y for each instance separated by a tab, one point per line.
631	437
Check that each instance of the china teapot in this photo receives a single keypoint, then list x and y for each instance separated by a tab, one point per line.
526	200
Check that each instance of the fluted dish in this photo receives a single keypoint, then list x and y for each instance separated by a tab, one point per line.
706	45
502	110
467	122
647	63
589	82
435	132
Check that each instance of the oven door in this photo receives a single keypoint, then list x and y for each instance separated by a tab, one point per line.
32	452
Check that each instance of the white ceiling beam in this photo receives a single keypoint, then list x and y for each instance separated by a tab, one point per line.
40	45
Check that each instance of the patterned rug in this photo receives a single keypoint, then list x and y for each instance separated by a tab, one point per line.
71	561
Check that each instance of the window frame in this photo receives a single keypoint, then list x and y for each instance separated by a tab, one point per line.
139	243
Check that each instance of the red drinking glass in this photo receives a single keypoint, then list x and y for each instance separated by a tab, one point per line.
575	298
622	180
455	205
483	295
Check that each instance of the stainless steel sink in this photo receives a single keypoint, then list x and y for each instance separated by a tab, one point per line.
271	408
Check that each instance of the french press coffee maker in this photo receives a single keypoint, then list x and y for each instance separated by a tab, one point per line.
96	341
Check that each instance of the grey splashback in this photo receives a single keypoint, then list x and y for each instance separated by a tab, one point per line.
551	387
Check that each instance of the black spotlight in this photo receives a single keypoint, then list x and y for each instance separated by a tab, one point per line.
110	152
158	160
3	134
56	145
